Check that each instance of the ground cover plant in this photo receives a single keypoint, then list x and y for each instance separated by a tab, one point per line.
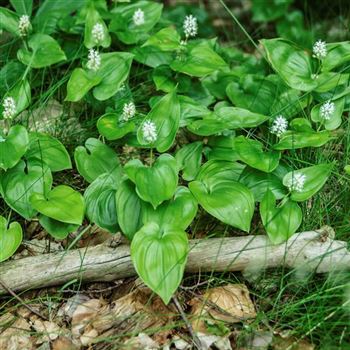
178	134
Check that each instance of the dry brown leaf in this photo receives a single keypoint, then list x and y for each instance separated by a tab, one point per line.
48	330
64	343
280	343
230	303
17	336
142	341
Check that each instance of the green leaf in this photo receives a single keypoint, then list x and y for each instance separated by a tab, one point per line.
218	169
335	119
178	212
19	182
160	258
114	70
101	203
199	61
189	159
57	229
123	26
129	209
281	221
266	12
166	116
151	56
80	82
293	64
251	152
10	238
110	126
157	183
21	93
62	204
347	169
49	150
9	21
95	159
45	51
13	146
22	7
167	39
337	54
315	177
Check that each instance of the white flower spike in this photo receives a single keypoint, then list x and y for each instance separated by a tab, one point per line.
94	60
296	182
279	126
190	26
9	105
319	49
129	111
149	131
98	32
138	17
23	25
327	110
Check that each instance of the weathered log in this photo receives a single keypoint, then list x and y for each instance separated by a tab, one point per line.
312	251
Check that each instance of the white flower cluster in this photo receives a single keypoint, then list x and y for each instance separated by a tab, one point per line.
138	17
98	32
23	25
9	105
94	60
296	182
129	111
279	126
327	110
319	49
190	26
149	131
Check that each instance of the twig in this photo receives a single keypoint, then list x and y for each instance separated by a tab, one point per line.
10	291
196	341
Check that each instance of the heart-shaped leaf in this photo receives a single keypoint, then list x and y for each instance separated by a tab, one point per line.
189	159
95	159
110	126
9	21
167	39
333	120
57	229
10	238
280	222
62	204
159	258
21	181
157	183
13	146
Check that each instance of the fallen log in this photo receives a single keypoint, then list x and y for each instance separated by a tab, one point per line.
315	251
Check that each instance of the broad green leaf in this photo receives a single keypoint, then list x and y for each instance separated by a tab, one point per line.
229	201
10	73
156	183
222	148
45	51
62	204
21	181
49	150
21	93
166	117
328	81
151	56
110	126
218	169
178	212
199	61
251	152
280	221
22	7
217	82
9	21
126	29
129	208
269	11
337	54
334	120
57	229
10	238
167	39
100	201
95	159
347	169
314	179
293	64
191	110
208	126
114	70
13	146
159	258
189	159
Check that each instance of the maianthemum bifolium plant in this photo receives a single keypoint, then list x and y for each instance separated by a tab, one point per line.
239	118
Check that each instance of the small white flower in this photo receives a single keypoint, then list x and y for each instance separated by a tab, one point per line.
9	105
129	111
190	26
319	49
138	17
327	110
23	25
149	131
98	32
296	182
279	126
94	60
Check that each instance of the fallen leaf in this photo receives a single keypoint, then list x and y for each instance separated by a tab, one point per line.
49	330
64	343
17	336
